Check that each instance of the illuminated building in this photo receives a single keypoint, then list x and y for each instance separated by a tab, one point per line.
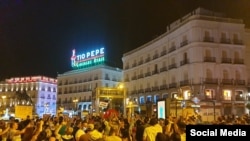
76	87
37	91
202	54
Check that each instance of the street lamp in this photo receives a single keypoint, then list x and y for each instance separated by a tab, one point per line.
75	101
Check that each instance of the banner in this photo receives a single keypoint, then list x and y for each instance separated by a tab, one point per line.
214	132
23	111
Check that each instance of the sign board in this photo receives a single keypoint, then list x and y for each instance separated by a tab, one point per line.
161	107
103	104
23	111
88	58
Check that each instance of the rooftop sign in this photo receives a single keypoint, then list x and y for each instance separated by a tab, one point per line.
88	58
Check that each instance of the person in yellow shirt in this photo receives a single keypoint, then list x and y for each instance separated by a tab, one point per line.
113	134
150	132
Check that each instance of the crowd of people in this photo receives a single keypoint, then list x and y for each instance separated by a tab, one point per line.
97	128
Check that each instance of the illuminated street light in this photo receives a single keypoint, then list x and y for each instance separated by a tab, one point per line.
75	101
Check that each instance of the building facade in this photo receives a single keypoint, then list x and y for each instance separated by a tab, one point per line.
202	55
76	87
37	91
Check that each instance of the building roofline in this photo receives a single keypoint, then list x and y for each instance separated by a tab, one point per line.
198	14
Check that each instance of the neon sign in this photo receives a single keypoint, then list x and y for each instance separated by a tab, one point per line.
87	59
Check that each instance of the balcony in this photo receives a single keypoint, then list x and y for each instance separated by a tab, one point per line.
134	65
155	88
184	83
140	91
237	42
173	48
210	81
209	59
226	60
184	62
172	66
164	52
134	78
239	98
238	61
126	79
208	39
140	76
172	85
133	92
155	56
107	78
126	67
225	41
163	69
163	87
240	82
148	90
154	72
183	43
227	81
147	74
140	62
147	59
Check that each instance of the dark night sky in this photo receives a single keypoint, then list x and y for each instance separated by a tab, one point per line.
37	36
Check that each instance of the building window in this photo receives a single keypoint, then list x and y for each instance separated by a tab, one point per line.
187	95
227	95
209	94
142	101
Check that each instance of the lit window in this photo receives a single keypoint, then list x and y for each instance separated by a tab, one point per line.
186	95
227	95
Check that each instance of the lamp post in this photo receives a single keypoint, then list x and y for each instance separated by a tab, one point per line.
75	101
3	98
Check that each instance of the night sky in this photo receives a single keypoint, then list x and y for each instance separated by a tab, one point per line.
37	36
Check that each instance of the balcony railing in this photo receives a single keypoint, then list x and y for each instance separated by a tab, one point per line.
238	42
210	81
134	65
209	59
225	41
155	56
183	43
147	59
238	61
140	91
172	85
164	52
140	76
155	88
226	60
184	83
134	78
148	90
163	69
184	62
154	72
140	62
172	66
208	39
162	87
239	82
227	81
173	48
147	74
